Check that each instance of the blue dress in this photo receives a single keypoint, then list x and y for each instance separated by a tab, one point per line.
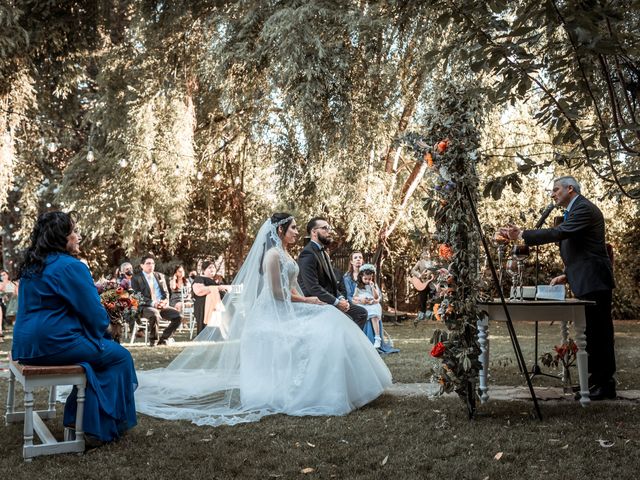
60	321
349	285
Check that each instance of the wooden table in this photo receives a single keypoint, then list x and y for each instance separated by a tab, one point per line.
538	310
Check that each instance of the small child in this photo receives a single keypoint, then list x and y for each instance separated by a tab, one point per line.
367	294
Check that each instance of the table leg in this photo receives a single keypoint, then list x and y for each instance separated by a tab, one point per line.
483	340
580	324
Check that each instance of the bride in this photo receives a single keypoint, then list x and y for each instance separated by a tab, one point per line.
274	350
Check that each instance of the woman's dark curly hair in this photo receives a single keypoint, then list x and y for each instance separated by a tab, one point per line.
49	235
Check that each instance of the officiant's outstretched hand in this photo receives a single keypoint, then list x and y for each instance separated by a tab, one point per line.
317	276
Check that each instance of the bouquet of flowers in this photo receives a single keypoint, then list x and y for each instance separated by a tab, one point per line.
122	306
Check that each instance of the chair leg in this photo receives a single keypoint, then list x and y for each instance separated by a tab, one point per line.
52	401
11	396
134	330
28	417
80	413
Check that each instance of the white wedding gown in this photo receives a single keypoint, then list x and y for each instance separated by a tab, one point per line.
271	356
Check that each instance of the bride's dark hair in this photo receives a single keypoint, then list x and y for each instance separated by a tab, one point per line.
275	219
279	217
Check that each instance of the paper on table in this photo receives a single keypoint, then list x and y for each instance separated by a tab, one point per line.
551	292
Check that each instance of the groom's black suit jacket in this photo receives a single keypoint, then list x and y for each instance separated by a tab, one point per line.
316	277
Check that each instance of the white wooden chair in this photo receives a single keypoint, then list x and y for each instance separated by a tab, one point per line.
31	377
144	324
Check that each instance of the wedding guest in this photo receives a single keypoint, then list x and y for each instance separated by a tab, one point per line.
367	295
179	288
4	300
588	271
155	301
424	272
218	280
206	295
350	279
61	321
126	274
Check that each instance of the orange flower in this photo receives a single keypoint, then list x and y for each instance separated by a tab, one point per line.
134	303
449	309
429	159
445	251
436	307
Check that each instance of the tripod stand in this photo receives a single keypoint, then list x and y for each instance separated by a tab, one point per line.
535	368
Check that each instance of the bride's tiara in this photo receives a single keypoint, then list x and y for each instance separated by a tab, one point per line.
283	221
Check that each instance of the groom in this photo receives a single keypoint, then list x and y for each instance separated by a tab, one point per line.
317	277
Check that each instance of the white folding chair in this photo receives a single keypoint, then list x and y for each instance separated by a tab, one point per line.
144	323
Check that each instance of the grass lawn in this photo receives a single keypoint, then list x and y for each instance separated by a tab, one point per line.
393	437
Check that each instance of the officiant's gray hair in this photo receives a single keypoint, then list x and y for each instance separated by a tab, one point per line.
568	180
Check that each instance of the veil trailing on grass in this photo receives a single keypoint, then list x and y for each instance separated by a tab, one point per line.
216	380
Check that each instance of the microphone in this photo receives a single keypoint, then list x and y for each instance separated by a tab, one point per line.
545	214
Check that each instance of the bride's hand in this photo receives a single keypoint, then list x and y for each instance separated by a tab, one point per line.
314	301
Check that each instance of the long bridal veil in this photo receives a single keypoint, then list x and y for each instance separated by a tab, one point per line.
208	381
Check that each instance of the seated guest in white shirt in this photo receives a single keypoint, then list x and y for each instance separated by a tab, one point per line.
153	288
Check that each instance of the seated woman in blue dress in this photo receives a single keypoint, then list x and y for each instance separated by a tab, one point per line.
368	295
61	321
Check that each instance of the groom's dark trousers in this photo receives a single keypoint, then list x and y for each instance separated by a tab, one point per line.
317	279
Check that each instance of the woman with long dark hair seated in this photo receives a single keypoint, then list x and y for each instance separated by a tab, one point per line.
61	321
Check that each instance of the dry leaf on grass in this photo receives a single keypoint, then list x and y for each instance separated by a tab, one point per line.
498	456
605	443
311	445
307	470
384	460
149	432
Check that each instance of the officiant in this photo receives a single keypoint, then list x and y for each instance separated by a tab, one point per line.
589	272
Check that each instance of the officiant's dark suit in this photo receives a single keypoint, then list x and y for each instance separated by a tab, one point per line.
590	274
150	310
317	279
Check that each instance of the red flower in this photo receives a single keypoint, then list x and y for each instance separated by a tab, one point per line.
442	146
119	290
438	350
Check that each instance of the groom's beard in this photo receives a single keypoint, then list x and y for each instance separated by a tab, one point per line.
325	241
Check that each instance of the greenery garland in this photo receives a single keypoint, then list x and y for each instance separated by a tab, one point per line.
453	132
